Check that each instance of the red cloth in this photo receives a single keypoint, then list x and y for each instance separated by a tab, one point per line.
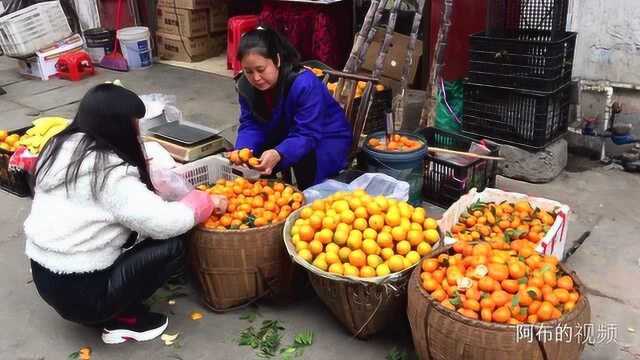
318	32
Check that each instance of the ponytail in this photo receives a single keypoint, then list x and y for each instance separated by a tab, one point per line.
268	43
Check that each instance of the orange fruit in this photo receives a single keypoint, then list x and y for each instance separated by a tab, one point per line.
360	224
320	263
325	236
423	248
487	303
329	223
403	247
398	233
415	237
468	313
532	319
316	222
361	212
332	258
340	238
343	254
306	233
316	247
510	286
370	247
565	282
498	272
350	270
471	305
439	295
534	307
501	315
369	233
430	284
562	295
486	314
517	270
546	311
549	278
500	297
396	263
430	265
569	305
383	270
574	296
376	222
336	268
357	258
386	253
392	218
551	298
385	240
347	217
367	272
304	213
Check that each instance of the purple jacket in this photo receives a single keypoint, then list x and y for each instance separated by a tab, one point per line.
305	118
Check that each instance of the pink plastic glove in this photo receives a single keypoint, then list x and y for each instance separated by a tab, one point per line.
201	204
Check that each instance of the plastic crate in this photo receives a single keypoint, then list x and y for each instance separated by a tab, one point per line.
445	180
208	170
532	60
32	28
505	17
15	182
526	119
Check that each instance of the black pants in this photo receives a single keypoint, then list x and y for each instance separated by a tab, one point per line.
96	297
304	171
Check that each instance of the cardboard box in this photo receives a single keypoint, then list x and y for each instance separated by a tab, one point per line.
395	58
218	16
218	43
553	243
184	4
174	47
42	65
183	22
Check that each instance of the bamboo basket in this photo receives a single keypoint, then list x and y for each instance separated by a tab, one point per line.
439	333
364	306
238	267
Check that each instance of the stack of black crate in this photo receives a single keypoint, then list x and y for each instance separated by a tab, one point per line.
518	88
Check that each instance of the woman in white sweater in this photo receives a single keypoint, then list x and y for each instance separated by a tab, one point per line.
93	195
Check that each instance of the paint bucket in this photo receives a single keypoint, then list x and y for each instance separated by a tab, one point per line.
135	43
405	166
99	42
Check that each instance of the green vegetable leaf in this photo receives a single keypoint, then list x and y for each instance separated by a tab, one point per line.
523	280
521	258
456	301
304	338
396	354
524	311
515	300
545	268
533	294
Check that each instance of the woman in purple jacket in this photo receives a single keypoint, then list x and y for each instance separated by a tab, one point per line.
286	114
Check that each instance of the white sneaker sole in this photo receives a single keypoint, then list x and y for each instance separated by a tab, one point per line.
120	336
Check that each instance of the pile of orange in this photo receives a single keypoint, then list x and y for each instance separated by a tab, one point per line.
500	224
500	286
360	87
243	157
356	234
397	143
252	204
8	142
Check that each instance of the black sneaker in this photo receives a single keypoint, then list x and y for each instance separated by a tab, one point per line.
142	327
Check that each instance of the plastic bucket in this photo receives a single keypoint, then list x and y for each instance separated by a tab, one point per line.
405	166
135	43
99	42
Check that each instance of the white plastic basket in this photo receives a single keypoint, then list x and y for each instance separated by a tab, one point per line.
209	169
32	28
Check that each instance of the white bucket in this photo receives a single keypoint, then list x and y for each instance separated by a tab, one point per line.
135	43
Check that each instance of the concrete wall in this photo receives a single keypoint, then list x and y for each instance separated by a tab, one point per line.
608	46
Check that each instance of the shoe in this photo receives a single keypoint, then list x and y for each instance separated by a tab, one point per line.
141	327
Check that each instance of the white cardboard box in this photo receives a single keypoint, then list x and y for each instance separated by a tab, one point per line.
554	241
42	65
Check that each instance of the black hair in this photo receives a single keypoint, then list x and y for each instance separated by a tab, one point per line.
270	44
107	117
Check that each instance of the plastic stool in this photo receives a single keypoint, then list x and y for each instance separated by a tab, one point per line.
75	66
238	26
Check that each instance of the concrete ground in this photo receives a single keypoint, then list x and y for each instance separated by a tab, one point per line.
604	202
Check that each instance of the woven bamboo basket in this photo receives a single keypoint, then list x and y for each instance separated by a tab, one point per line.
363	306
439	333
237	267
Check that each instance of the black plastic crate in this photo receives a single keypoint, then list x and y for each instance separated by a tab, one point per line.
532	61
526	119
506	17
14	182
446	180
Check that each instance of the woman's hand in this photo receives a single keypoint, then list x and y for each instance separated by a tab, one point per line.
268	161
220	204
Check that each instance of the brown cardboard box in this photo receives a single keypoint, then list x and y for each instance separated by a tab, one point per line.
218	16
395	57
174	47
184	22
185	4
218	43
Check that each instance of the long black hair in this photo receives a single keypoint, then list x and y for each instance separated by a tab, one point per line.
107	118
270	44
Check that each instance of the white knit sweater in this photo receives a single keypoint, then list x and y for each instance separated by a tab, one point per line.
73	233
